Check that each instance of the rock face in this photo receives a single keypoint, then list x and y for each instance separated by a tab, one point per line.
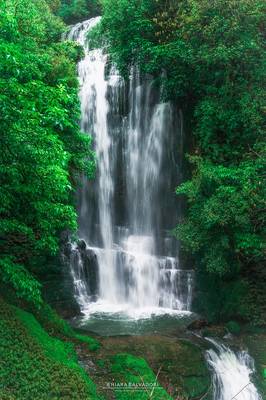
60	289
90	268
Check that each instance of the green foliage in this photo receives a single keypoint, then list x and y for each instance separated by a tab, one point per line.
96	37
233	327
54	348
129	32
54	325
35	365
220	298
127	368
256	344
20	279
212	57
42	149
210	60
50	321
224	227
225	232
92	343
77	10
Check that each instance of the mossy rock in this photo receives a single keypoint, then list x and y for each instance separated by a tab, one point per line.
182	365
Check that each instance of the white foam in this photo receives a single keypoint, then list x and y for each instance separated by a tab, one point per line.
125	311
232	373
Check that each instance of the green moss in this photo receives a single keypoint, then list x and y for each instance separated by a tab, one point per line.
192	374
183	369
135	371
93	344
54	348
55	325
51	321
101	363
36	366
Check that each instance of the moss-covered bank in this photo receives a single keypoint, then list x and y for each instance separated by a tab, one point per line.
179	364
43	358
35	365
63	364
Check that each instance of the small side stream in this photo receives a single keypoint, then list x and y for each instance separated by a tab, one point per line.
190	364
232	373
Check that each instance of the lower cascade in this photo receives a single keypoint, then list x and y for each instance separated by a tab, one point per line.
126	259
232	373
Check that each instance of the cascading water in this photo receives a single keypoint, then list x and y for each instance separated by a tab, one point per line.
232	373
126	260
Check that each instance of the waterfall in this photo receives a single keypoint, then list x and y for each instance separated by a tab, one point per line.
126	213
232	373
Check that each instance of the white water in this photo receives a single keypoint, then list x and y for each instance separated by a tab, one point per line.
232	374
123	232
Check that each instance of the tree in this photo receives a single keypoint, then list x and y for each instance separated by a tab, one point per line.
42	148
209	58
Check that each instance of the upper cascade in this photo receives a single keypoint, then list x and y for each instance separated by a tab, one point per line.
126	259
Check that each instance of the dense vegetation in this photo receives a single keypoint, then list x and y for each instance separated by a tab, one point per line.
210	59
208	56
35	365
42	149
42	156
78	10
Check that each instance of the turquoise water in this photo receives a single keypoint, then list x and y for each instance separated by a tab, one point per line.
108	324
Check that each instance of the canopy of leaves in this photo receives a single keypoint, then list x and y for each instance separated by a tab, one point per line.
212	58
42	148
225	225
209	57
77	10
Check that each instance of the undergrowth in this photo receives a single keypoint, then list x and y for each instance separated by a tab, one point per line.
35	365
